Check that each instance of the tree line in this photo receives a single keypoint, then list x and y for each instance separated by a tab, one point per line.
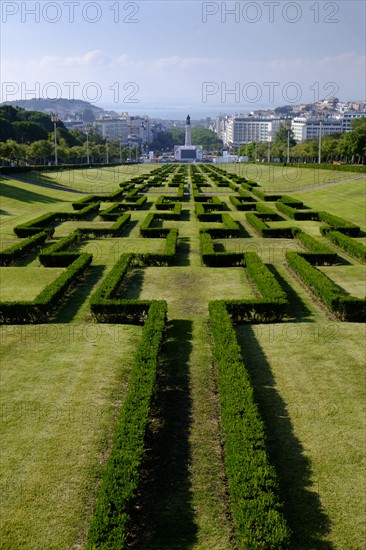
27	137
347	147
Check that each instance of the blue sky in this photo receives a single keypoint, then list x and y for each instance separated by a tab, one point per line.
205	56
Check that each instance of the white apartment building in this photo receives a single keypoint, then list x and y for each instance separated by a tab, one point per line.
139	130
240	130
348	116
309	127
114	129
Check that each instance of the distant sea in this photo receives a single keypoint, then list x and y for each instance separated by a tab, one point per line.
180	112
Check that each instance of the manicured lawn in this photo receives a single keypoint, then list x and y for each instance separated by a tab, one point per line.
61	388
90	180
309	382
63	383
24	283
287	179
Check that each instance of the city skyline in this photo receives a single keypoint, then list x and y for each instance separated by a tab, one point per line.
204	57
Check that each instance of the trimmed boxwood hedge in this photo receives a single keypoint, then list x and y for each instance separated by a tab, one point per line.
24	247
295	213
349	245
217	259
253	484
46	220
264	280
42	308
267	213
346	308
321	254
339	224
270	197
110	523
256	221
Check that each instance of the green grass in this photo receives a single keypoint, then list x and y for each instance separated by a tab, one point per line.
90	180
25	283
188	289
63	384
346	200
286	179
309	382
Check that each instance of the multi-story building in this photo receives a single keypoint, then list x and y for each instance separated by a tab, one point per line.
114	129
309	127
348	116
139	130
239	130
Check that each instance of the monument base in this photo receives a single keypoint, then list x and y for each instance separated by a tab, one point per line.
187	153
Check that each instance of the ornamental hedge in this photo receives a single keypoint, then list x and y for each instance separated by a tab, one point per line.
256	221
253	484
343	306
42	308
110	523
147	230
266	197
47	220
295	213
349	245
320	253
338	224
211	258
106	305
24	247
241	204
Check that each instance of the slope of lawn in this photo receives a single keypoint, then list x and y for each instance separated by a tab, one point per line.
61	388
287	179
63	385
89	180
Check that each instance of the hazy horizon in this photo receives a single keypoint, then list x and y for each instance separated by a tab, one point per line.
208	55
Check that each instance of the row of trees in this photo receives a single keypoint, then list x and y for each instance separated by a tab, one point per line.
27	137
347	147
43	152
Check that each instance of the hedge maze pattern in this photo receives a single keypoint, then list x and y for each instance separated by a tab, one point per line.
168	198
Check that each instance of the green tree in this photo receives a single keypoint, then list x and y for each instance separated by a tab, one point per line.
28	132
41	151
6	129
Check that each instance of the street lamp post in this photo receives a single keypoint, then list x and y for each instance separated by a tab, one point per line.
106	149
288	146
87	146
320	142
269	146
54	118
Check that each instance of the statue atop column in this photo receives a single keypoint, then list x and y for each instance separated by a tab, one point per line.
188	120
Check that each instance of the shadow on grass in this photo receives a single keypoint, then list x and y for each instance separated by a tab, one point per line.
128	228
297	309
164	514
185	215
302	506
23	195
132	286
78	296
184	248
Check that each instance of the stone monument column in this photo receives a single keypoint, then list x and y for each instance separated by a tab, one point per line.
188	140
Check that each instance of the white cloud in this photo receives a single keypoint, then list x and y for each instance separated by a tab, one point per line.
181	63
93	58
